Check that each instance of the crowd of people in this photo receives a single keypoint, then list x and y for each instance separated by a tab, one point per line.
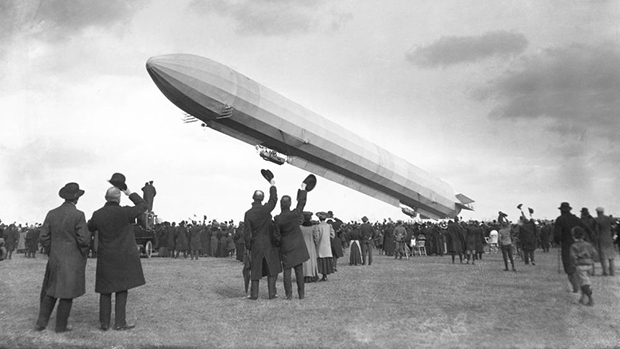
290	241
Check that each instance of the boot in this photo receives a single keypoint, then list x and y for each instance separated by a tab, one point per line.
574	282
271	286
584	294
254	289
589	293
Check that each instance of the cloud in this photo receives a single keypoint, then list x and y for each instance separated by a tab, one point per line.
275	17
59	20
451	50
576	87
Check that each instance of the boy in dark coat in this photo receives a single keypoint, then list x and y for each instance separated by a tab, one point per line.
118	261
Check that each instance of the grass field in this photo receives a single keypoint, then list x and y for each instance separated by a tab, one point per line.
417	303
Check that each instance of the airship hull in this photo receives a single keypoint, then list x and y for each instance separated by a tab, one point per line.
233	104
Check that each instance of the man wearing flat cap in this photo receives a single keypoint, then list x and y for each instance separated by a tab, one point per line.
118	260
66	238
562	234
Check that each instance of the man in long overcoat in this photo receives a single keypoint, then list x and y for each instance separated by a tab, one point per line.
562	233
455	240
118	260
149	194
258	228
293	250
367	233
65	235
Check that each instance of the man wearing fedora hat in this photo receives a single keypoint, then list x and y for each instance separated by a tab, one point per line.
65	236
563	235
118	261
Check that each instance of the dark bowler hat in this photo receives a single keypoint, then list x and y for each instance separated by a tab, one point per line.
307	215
70	191
118	180
584	210
364	219
310	182
565	207
268	175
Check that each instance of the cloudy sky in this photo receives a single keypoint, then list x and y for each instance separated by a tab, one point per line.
507	101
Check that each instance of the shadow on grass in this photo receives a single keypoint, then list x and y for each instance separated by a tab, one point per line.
230	291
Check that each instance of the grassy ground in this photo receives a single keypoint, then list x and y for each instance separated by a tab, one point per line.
422	302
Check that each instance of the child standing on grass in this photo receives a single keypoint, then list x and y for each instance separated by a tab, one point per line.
230	244
582	256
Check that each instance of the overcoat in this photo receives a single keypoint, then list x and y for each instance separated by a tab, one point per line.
454	238
181	238
195	237
562	234
170	238
65	235
323	233
118	259
293	250
528	236
257	232
605	240
470	240
311	268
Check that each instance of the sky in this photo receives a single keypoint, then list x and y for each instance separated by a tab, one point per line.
509	102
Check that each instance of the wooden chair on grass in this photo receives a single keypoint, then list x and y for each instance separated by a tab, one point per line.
419	248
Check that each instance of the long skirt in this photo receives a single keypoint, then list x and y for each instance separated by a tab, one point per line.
337	247
355	256
326	265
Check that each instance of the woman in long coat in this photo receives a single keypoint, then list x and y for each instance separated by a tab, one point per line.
388	240
355	250
323	234
215	232
311	269
336	243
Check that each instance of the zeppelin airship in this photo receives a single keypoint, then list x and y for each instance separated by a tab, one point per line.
286	132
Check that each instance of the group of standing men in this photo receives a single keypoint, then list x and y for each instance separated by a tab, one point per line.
66	236
276	245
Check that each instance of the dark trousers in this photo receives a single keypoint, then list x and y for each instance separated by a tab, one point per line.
299	278
527	255
271	286
105	309
366	249
62	313
507	253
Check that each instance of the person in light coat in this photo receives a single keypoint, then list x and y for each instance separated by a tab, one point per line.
323	232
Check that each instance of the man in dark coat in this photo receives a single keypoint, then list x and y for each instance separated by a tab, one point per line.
528	237
562	234
118	260
367	234
258	228
293	250
149	194
65	235
455	240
